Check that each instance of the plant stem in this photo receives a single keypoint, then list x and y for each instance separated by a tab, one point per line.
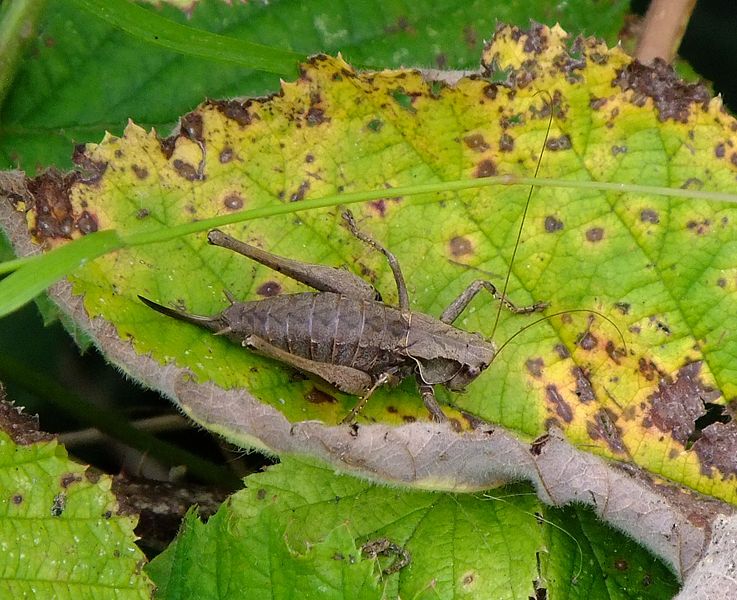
18	23
664	26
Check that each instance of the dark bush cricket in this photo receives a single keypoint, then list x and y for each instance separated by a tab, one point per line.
346	335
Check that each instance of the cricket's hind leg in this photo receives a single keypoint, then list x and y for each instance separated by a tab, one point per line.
458	305
319	277
393	262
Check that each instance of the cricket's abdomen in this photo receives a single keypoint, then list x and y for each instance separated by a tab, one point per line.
328	328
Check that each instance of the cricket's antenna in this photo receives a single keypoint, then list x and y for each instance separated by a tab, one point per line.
524	212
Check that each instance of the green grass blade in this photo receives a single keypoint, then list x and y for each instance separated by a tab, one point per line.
150	27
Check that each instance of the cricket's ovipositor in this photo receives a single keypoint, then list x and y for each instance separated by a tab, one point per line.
346	335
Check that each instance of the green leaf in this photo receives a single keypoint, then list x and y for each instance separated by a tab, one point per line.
298	529
60	536
57	101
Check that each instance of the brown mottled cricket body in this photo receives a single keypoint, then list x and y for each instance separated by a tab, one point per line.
346	335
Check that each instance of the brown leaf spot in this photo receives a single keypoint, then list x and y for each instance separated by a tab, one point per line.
476	142
595	234
584	390
553	224
623	307
58	505
616	354
226	155
301	191
603	427
675	407
673	98
191	126
616	150
91	170
562	407
51	205
142	213
87	223
699	227
68	479
648	215
535	366
140	172
719	150
486	168
506	143
587	341
17	499
717	448
233	201
316	396
189	172
316	116
562	351
269	289
721	282
460	246
234	110
560	143
621	564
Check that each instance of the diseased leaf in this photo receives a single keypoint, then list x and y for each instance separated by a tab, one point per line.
60	536
303	528
660	269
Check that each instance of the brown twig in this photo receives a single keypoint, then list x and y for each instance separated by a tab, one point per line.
663	29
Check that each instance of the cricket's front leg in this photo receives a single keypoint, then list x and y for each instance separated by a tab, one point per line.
458	305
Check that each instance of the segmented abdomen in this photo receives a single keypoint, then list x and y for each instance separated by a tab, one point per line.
329	328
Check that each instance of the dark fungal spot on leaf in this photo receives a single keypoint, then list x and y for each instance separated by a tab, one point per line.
470	36
226	155
234	110
616	150
553	224
269	289
699	227
603	427
261	494
315	396
596	103
535	366
673	98
562	351
584	390
140	172
490	91
375	125
719	150
648	215
486	168
562	408
58	505
233	201
476	142
460	246
142	213
506	143
721	282
17	499
408	419
676	405
90	170
595	234
68	479
190	126
186	170
562	142
616	354
621	564
301	191
309	158
86	223
50	205
623	307
587	341
316	116
717	449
